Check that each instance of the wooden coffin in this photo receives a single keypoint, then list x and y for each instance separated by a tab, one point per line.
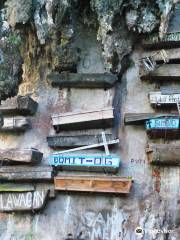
85	162
23	201
68	141
163	127
23	105
158	99
163	154
163	72
26	173
141	118
15	124
82	80
84	183
101	118
28	156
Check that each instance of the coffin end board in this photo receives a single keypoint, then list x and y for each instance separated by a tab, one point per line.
23	201
163	154
93	184
26	173
15	124
23	105
68	141
100	118
96	163
82	80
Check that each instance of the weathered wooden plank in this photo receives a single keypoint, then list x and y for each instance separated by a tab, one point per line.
31	156
15	124
24	201
163	128
101	118
68	141
163	154
23	105
172	55
158	99
82	80
85	162
26	173
11	187
163	72
140	118
84	183
170	40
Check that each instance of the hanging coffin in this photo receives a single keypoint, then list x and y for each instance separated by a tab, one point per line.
159	99
19	105
26	173
70	141
82	80
163	154
101	118
85	183
85	162
18	124
163	127
23	156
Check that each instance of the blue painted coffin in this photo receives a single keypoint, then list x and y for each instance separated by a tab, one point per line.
85	161
162	123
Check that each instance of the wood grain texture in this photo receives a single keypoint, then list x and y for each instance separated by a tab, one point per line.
68	141
26	173
92	183
100	118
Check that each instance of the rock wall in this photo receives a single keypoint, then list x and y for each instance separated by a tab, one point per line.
85	37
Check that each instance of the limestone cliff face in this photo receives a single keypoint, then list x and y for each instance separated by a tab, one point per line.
40	36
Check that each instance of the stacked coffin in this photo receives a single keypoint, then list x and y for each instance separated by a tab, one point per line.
161	62
76	131
22	185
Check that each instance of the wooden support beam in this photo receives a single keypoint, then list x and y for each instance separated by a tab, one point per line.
26	173
163	72
85	183
18	124
11	187
68	141
163	154
101	118
27	156
23	201
140	118
158	99
82	80
23	105
99	163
